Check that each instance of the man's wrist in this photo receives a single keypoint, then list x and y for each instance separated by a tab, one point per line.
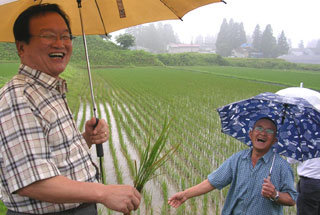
276	197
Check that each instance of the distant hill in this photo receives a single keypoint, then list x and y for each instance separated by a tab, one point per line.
307	59
104	53
101	52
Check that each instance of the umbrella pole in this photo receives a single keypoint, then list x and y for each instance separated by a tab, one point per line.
99	147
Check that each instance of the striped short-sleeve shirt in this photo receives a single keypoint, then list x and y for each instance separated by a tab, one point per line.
38	140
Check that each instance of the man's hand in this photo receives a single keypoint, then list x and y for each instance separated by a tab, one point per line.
60	189
177	199
122	198
98	134
268	189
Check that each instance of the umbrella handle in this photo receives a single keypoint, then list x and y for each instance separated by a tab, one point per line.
99	147
274	155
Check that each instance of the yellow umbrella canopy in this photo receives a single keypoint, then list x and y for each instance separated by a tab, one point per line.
102	16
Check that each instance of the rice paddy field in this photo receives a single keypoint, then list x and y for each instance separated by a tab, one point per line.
135	101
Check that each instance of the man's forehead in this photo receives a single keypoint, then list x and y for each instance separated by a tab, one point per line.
42	21
265	122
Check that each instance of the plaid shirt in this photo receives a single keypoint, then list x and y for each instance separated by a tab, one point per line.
38	140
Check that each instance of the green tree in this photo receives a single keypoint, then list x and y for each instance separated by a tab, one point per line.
268	43
125	40
223	45
167	35
282	45
256	38
238	35
230	36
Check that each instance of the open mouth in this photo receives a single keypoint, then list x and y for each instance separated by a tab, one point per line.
57	55
261	140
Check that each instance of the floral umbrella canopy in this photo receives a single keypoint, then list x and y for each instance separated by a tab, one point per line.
298	123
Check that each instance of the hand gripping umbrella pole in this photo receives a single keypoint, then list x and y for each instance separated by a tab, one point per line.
99	147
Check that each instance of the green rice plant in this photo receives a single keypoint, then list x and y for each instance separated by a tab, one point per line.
205	205
123	145
82	122
193	205
3	209
116	163
150	160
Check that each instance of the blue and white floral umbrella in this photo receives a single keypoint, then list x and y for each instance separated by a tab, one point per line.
298	123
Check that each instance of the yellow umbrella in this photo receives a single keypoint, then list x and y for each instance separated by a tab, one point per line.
102	16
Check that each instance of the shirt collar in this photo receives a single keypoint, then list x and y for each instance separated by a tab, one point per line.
44	79
266	157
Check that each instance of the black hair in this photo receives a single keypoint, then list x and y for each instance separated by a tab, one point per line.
21	29
267	118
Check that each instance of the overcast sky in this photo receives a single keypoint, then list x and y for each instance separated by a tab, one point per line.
300	20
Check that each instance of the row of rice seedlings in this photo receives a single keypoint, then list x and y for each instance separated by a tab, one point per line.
225	151
128	115
119	118
122	117
165	206
134	123
129	129
76	111
78	115
205	205
83	119
101	97
146	196
113	150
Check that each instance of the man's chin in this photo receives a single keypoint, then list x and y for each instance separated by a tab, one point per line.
260	146
55	73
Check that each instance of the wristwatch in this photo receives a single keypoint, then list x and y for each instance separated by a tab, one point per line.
276	198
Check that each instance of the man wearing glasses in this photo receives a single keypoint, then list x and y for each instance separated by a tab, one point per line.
45	162
254	189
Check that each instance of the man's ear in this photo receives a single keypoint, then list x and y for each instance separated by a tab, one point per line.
20	47
275	140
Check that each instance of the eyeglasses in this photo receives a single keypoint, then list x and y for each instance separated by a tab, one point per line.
260	129
49	38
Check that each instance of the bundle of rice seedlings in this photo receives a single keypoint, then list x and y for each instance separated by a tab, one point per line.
152	158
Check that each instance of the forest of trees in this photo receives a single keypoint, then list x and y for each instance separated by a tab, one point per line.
155	37
232	35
